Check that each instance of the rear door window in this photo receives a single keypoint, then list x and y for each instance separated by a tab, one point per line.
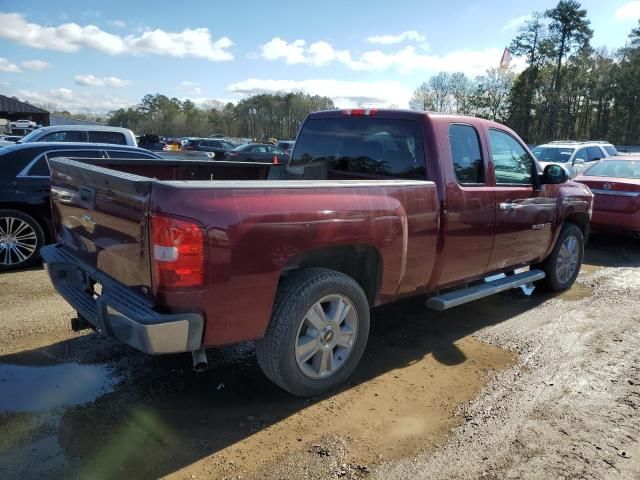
64	136
363	145
582	154
40	168
107	137
595	154
466	154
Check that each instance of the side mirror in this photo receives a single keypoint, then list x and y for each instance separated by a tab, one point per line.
578	161
554	174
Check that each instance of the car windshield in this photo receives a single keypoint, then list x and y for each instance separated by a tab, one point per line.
29	137
611	150
615	169
553	154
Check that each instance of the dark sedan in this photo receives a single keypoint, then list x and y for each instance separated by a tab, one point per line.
216	146
25	211
257	152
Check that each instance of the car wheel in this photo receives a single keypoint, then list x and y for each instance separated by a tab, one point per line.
563	264
317	334
21	238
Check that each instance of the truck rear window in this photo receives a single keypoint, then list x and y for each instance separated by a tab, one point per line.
370	146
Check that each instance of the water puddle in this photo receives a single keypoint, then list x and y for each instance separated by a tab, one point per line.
37	388
576	292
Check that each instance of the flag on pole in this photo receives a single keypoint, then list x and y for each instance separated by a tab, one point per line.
506	58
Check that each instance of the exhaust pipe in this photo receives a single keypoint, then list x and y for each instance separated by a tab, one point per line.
200	362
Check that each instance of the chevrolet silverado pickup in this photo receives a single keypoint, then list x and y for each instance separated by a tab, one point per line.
371	207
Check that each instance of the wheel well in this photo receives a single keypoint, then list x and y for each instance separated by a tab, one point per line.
581	219
34	212
361	262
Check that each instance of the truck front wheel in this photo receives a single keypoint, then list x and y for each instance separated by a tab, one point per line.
563	264
317	334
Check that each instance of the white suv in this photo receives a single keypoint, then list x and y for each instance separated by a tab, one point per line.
82	133
574	156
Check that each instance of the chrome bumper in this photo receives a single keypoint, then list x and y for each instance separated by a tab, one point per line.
119	311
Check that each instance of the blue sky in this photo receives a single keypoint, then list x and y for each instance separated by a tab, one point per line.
100	56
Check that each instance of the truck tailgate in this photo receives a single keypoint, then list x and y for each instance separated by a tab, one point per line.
101	217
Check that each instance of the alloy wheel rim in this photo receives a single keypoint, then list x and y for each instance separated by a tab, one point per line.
326	336
18	241
568	257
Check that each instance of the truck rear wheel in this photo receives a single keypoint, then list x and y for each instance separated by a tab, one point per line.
563	264
317	334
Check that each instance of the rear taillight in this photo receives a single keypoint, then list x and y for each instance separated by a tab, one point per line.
178	252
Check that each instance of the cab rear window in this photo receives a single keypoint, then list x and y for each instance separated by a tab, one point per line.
369	146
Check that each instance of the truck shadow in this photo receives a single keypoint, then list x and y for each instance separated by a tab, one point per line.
162	417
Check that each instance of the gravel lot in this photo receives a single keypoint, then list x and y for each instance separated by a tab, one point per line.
506	387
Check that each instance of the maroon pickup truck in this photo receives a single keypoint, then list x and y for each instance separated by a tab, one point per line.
373	206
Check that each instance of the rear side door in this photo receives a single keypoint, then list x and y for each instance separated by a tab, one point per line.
470	204
524	214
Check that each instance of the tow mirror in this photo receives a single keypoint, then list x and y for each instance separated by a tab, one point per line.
554	174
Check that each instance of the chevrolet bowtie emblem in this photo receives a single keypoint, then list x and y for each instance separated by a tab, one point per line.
88	223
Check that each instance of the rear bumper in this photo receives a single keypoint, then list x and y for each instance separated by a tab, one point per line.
119	311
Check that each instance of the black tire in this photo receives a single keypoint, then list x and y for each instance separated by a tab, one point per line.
553	282
11	260
296	295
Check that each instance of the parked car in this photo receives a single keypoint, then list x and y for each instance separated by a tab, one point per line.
9	139
25	212
615	183
22	124
82	133
373	206
151	142
574	156
286	146
216	146
257	152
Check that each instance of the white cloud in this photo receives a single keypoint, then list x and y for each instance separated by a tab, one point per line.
405	60
409	35
628	11
117	23
93	81
71	37
192	87
344	93
6	66
67	99
516	22
36	65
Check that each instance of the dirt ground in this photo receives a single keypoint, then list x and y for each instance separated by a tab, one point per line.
506	387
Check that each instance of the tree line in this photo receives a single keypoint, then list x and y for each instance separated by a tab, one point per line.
568	90
274	115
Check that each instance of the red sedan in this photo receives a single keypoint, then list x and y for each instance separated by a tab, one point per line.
615	183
